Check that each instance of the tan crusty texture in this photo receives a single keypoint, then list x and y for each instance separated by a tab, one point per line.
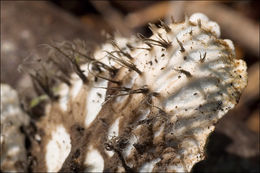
141	104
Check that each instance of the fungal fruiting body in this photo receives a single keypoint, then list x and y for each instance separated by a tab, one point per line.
142	104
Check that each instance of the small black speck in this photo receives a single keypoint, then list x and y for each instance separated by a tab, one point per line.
179	77
99	95
80	129
150	62
162	55
162	68
185	57
156	60
186	109
145	54
176	106
195	94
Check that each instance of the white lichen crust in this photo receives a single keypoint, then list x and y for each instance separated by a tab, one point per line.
149	104
13	151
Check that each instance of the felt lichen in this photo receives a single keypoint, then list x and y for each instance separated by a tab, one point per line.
140	104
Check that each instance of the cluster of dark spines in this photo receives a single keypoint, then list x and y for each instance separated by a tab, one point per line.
42	84
122	91
124	63
70	53
127	91
43	76
150	43
165	43
155	42
61	74
160	41
48	72
114	145
74	63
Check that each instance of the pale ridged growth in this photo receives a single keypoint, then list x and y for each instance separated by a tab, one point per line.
141	104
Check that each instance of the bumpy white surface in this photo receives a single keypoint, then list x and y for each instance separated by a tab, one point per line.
13	152
198	85
197	80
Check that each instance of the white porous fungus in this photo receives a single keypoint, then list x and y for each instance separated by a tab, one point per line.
170	88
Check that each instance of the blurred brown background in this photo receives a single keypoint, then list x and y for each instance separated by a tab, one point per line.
234	146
